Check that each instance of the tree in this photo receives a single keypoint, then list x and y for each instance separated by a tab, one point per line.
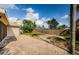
77	7
52	23
73	27
28	26
77	22
62	26
77	30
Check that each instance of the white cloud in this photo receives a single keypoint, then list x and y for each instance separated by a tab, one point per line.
45	19
42	22
12	20
31	15
8	6
39	23
34	16
60	24
65	17
46	25
30	10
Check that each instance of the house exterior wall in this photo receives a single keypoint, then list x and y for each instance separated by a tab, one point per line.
3	31
13	31
3	24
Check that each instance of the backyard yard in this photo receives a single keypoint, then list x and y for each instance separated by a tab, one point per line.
38	35
27	45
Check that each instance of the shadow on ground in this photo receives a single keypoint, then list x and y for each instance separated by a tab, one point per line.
6	41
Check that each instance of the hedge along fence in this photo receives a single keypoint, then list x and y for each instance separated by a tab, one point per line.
53	32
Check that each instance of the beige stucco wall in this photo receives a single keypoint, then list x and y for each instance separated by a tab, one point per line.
13	31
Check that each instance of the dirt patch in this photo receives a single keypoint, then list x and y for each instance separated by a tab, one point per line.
27	45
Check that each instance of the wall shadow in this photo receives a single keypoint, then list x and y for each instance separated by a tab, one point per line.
7	40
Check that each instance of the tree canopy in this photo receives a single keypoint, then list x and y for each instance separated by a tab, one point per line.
28	26
52	23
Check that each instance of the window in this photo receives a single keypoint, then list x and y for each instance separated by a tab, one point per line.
0	16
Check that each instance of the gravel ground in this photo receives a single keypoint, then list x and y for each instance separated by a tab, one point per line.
26	45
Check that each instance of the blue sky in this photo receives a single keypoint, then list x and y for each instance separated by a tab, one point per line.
39	11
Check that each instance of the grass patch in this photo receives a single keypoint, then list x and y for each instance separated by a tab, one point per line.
77	45
33	33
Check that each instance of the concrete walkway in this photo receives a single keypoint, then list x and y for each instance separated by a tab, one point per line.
26	45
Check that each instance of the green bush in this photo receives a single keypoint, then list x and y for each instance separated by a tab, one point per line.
28	26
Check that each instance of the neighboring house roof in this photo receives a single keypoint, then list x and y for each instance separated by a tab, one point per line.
3	17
